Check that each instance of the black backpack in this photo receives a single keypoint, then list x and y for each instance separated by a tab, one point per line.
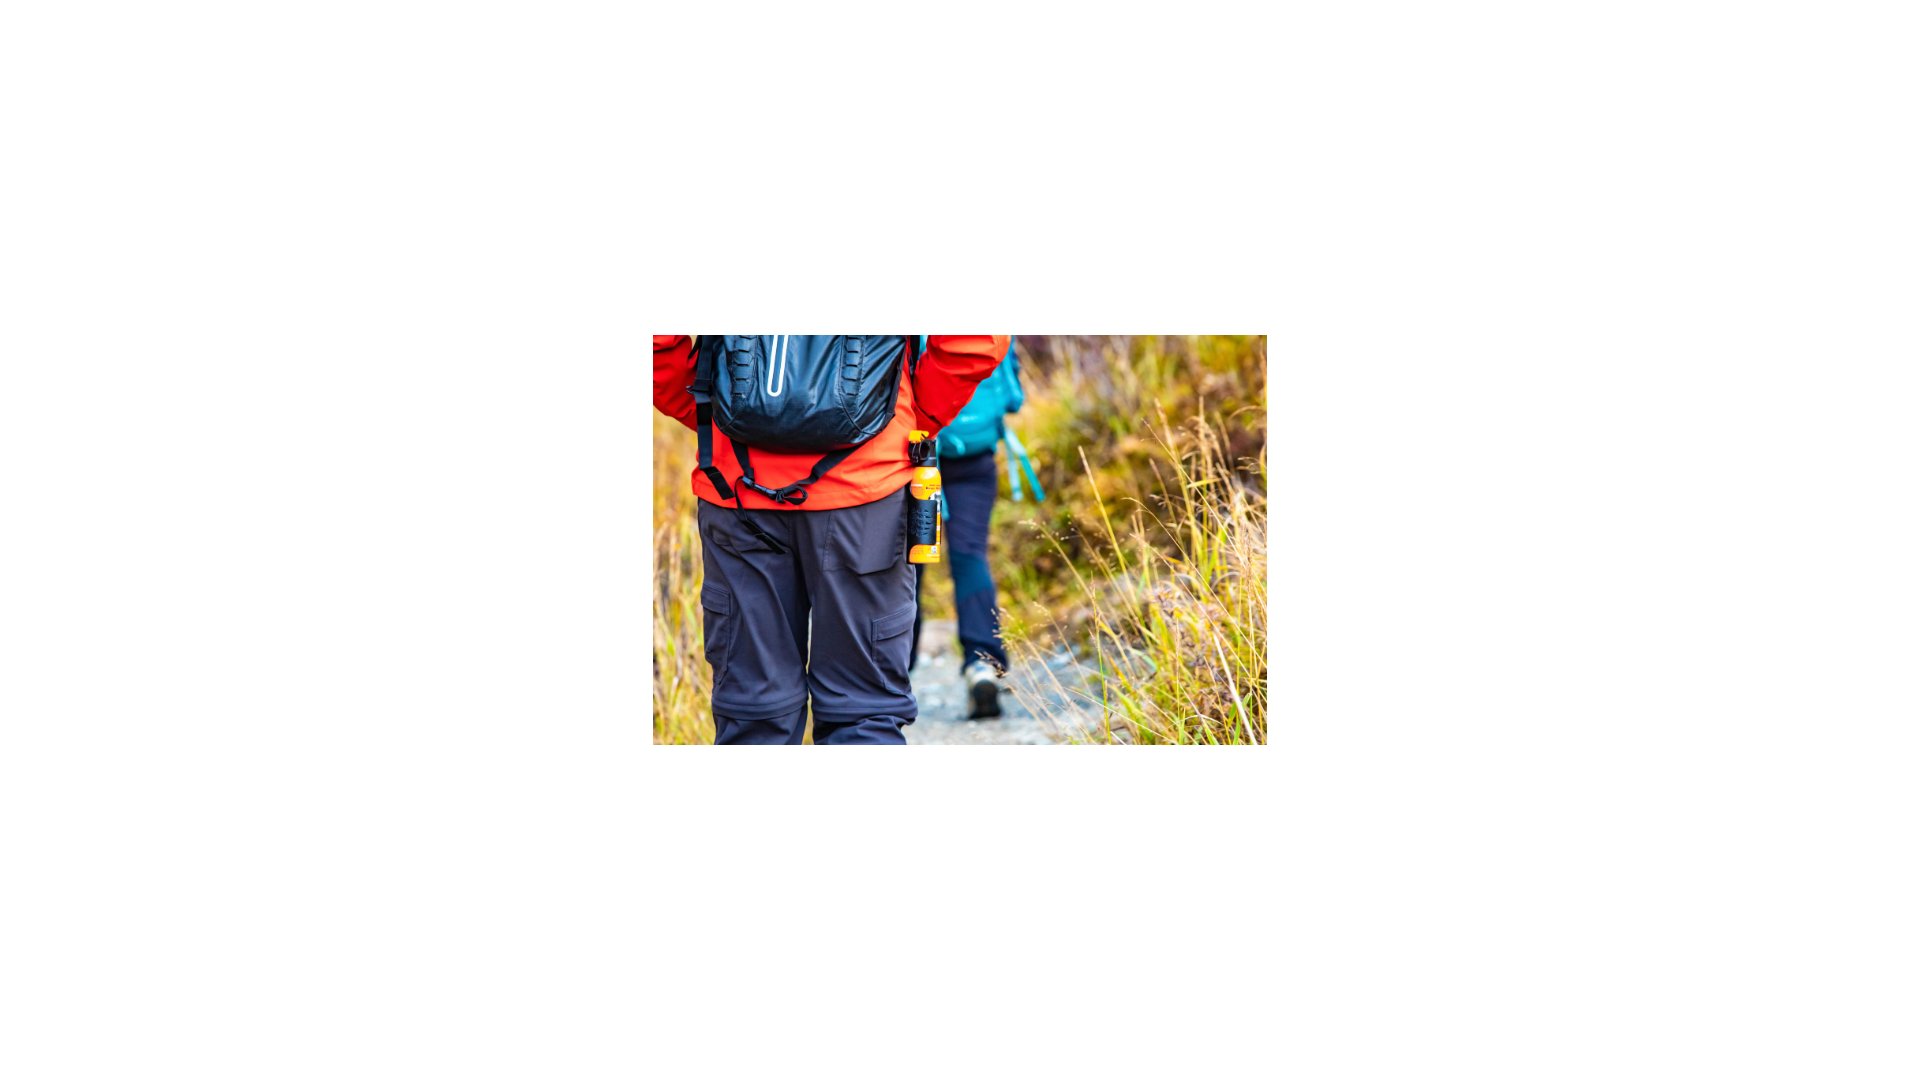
796	394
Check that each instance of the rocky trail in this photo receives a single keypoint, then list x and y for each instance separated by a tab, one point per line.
1036	713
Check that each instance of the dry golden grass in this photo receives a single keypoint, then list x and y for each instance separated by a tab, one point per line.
682	679
1176	633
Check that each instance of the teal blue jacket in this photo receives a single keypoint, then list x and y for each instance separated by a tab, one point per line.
983	422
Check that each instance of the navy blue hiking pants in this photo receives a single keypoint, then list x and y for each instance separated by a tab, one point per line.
971	484
846	572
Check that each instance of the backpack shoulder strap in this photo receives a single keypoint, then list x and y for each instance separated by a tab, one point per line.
702	390
705	363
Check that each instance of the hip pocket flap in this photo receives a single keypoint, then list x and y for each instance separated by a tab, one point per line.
870	538
887	626
716	599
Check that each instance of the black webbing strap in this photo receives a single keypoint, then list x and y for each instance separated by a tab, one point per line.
702	391
703	423
795	493
746	519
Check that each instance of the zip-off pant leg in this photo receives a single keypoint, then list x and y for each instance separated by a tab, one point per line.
787	729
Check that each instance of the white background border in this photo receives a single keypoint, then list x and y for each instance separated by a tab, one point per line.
323	452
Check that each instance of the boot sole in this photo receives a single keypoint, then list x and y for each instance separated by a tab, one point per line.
986	701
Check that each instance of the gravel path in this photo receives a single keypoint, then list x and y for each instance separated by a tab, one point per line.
944	704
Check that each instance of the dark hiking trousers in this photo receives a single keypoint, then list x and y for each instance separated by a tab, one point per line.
845	568
971	484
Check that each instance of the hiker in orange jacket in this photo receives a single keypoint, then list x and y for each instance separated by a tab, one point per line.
811	608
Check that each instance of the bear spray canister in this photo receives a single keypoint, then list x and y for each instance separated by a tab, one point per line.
923	508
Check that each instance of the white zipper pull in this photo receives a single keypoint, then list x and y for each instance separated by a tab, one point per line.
778	367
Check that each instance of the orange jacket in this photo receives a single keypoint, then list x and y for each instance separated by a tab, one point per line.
952	366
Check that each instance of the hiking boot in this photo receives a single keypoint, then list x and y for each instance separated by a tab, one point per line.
983	686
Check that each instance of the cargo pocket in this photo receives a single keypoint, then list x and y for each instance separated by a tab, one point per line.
716	605
891	643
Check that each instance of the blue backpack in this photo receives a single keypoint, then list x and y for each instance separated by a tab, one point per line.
983	422
824	394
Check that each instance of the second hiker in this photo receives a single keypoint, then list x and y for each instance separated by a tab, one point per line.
970	484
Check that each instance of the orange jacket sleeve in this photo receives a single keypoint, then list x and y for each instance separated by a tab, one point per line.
672	372
953	366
